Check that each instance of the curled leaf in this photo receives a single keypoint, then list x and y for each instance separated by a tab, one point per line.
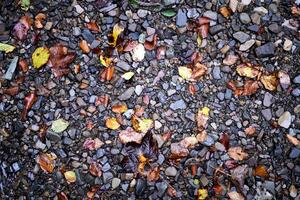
112	123
84	46
7	48
120	108
270	82
70	176
93	26
29	100
95	169
151	45
141	125
250	87
130	135
185	72
117	30
38	20
107	73
237	153
20	30
46	161
40	57
153	174
198	71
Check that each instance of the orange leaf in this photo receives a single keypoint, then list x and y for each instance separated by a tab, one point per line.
93	26
29	100
198	71
261	171
12	91
119	108
151	45
225	11
84	46
23	65
107	73
38	20
153	175
293	140
250	130
270	82
112	123
237	153
95	169
192	89
47	161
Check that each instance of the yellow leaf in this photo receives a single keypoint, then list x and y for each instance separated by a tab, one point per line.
141	125
128	75
185	73
70	176
6	47
247	71
119	108
117	30
105	61
40	57
202	194
112	123
204	111
270	82
199	39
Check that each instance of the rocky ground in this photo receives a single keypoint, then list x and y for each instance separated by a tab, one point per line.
199	133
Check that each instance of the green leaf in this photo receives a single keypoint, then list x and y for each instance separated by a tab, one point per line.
6	47
168	13
40	57
59	125
25	4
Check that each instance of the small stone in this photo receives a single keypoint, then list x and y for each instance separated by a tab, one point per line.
127	94
123	65
80	102
261	10
181	18
246	2
11	68
192	13
267	114
142	13
115	183
287	45
297	79
233	4
138	90
40	145
171	171
157	124
216	29
295	153
48	26
267	99
140	187
296	92
150	31
285	120
88	36
138	53
247	45
274	28
245	19
180	104
107	176
217	73
204	181
266	50
52	136
76	31
161	188
210	14
16	167
79	9
241	36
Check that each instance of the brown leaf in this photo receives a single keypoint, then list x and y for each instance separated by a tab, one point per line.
270	82
91	193
29	100
43	131
178	150
112	123
39	18
119	108
21	28
102	100
92	144
95	169
153	174
62	196
46	161
130	45
130	135
293	140
151	45
204	20
230	60
93	26
194	169
224	139
295	11
203	30
225	11
202	117
84	46
250	87
218	189
23	65
251	130
235	196
237	153
107	74
248	70
161	52
202	136
171	191
192	89
198	71
261	171
12	91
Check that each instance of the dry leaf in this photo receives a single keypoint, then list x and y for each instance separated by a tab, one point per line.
59	125
12	91
46	161
250	87
120	108
202	194
225	140
62	196
198	71
202	136
105	61
185	72
251	130
130	135
178	150
151	45
93	26
203	30
270	82
70	176
153	175
95	169
21	28
38	20
230	60
202	118
161	52
92	144
84	46
141	125
128	75
117	30
295	10
40	57
247	70
225	11
293	140
7	48
29	100
237	153
130	45
23	66
107	74
112	123
171	191
235	196
261	171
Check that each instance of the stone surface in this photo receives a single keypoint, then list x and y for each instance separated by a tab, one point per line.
266	50
285	120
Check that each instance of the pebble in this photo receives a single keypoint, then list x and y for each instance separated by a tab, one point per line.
287	45
295	153
245	2
79	9
267	114
293	191
266	50
142	13
123	65
127	94
241	36
180	104
210	14
285	120
274	28
11	68
261	10
245	19
140	187
296	80
267	99
88	36
233	4
247	45
115	183
138	90
296	92
52	136
216	29
161	188
171	171
107	176
181	18
217	73
40	145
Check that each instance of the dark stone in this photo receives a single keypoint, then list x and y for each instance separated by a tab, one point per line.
216	29
181	18
140	187
266	50
88	36
295	153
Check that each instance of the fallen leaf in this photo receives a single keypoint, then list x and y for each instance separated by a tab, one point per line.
230	60
62	196
295	10
138	53
293	140
143	160
141	125
225	11
128	75
239	173
185	72
23	66
95	169
40	57
151	45
59	125
178	150
168	12
20	30
218	189
93	26
7	48
112	123
153	175
130	135
160	52
107	73
247	70
203	30
105	61
198	71
38	20
237	153
70	176
250	87
199	40
225	140
251	130
235	196
202	194
12	91
92	144
25	4
202	118
130	45
270	82
261	171
202	136
102	100
192	89
171	191
117	30
119	108
46	161
203	20
29	100
91	193
84	46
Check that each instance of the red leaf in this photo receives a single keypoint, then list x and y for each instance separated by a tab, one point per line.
93	26
153	175
192	89
95	169
21	28
203	30
224	139
62	196
29	100
151	45
23	66
203	20
92	144
160	52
